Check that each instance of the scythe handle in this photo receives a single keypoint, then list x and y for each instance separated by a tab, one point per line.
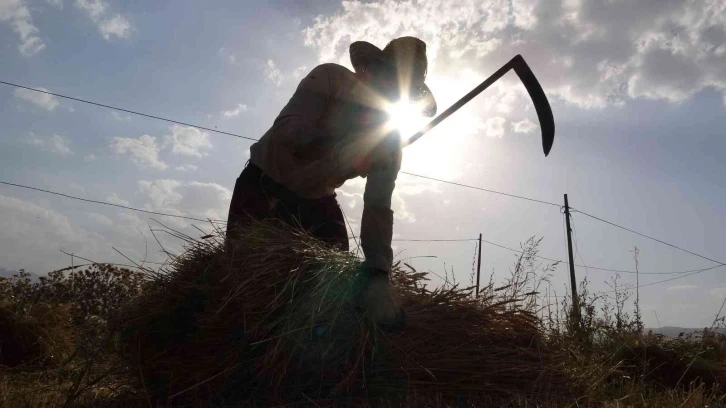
461	102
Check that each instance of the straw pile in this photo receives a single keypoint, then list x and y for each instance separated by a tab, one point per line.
274	320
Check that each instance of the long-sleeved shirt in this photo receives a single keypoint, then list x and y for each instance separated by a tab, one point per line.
330	131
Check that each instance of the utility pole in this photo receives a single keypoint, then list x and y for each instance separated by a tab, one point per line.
573	281
478	268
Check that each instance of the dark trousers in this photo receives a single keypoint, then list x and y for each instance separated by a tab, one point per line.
259	197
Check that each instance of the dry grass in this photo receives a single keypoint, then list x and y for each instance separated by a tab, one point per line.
38	336
275	322
277	319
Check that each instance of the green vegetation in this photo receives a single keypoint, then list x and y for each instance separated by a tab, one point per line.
273	322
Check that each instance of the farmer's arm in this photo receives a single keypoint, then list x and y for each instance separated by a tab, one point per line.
377	223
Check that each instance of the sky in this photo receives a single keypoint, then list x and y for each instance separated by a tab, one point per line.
638	92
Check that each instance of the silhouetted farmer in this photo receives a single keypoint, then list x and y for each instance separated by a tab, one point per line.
334	128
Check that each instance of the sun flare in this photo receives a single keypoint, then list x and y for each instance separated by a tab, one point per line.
406	117
435	154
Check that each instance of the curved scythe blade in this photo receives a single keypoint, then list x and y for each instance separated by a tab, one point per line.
541	105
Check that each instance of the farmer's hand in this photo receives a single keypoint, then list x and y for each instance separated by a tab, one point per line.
380	304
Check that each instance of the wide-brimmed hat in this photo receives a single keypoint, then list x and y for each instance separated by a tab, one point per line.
408	56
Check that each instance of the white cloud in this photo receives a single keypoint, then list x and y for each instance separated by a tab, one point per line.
494	127
236	111
94	8
89	157
228	56
17	14
351	200
406	190
59	145
56	3
299	72
680	288
55	144
351	195
186	167
195	199
589	53
97	11
31	45
33	140
116	26
77	187
401	210
115	199
719	293
188	141
101	219
524	126
121	118
42	100
161	193
209	199
34	235
143	150
273	73
523	14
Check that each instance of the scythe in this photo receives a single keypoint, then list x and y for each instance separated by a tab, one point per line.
534	89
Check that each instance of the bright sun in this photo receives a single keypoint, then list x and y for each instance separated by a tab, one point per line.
406	117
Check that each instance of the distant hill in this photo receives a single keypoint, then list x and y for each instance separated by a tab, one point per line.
673	332
5	273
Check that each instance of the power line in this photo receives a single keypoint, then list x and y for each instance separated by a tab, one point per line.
248	138
693	271
127	110
254	140
696	272
436	240
429	240
192	218
684	274
649	237
577	249
107	203
480	189
592	267
551	259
